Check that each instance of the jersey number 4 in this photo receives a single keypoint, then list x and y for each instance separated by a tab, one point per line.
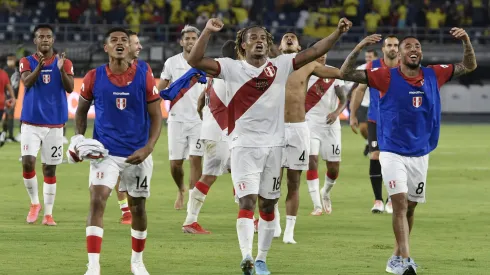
142	184
302	157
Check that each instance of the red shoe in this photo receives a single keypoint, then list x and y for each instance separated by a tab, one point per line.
33	213
126	218
48	220
194	228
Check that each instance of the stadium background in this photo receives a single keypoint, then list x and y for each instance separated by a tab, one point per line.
80	26
451	231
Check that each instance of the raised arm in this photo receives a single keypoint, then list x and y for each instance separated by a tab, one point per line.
322	46
469	60
196	58
348	70
356	99
323	71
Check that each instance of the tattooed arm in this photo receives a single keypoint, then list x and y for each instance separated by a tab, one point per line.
348	70
469	60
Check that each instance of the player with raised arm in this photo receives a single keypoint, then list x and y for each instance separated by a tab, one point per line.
408	128
390	60
214	113
128	123
184	124
362	111
297	134
47	78
325	101
255	100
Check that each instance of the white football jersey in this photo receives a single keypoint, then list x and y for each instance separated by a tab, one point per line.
256	98
321	100
182	108
349	85
215	112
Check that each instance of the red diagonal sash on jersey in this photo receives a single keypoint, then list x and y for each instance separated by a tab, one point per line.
249	93
216	106
182	92
316	92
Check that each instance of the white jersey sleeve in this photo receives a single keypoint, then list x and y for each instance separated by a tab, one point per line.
166	74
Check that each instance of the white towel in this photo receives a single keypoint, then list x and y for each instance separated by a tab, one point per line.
82	148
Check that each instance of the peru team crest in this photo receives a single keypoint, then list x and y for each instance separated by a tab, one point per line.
270	71
392	184
46	78
121	103
417	101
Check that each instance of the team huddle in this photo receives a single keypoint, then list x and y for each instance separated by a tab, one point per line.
243	113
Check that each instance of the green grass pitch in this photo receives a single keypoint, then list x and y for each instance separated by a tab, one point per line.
451	234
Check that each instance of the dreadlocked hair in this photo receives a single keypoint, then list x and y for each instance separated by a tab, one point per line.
240	38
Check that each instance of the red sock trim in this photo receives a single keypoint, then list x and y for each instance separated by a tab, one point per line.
29	175
246	214
138	245
311	174
94	244
125	209
201	186
50	180
332	176
267	216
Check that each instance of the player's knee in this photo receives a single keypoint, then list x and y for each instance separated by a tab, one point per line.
247	202
28	163
400	204
176	165
49	170
411	208
374	155
208	179
333	169
266	205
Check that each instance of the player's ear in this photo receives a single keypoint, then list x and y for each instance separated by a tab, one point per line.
181	43
105	47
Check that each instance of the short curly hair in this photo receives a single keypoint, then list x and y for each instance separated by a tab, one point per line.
240	38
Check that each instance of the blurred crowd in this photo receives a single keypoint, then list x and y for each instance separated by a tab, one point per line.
314	18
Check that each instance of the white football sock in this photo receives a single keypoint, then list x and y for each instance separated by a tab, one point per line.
49	192
32	189
266	234
138	245
290	223
245	231
329	183
196	200
313	188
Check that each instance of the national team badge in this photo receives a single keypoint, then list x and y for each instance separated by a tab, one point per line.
417	101
121	103
270	71
46	78
26	147
392	184
241	186
99	175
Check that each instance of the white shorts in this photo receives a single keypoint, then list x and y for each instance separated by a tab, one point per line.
183	140
216	157
405	175
49	140
135	179
256	171
326	141
295	155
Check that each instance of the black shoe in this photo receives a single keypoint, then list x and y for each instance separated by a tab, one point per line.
366	150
